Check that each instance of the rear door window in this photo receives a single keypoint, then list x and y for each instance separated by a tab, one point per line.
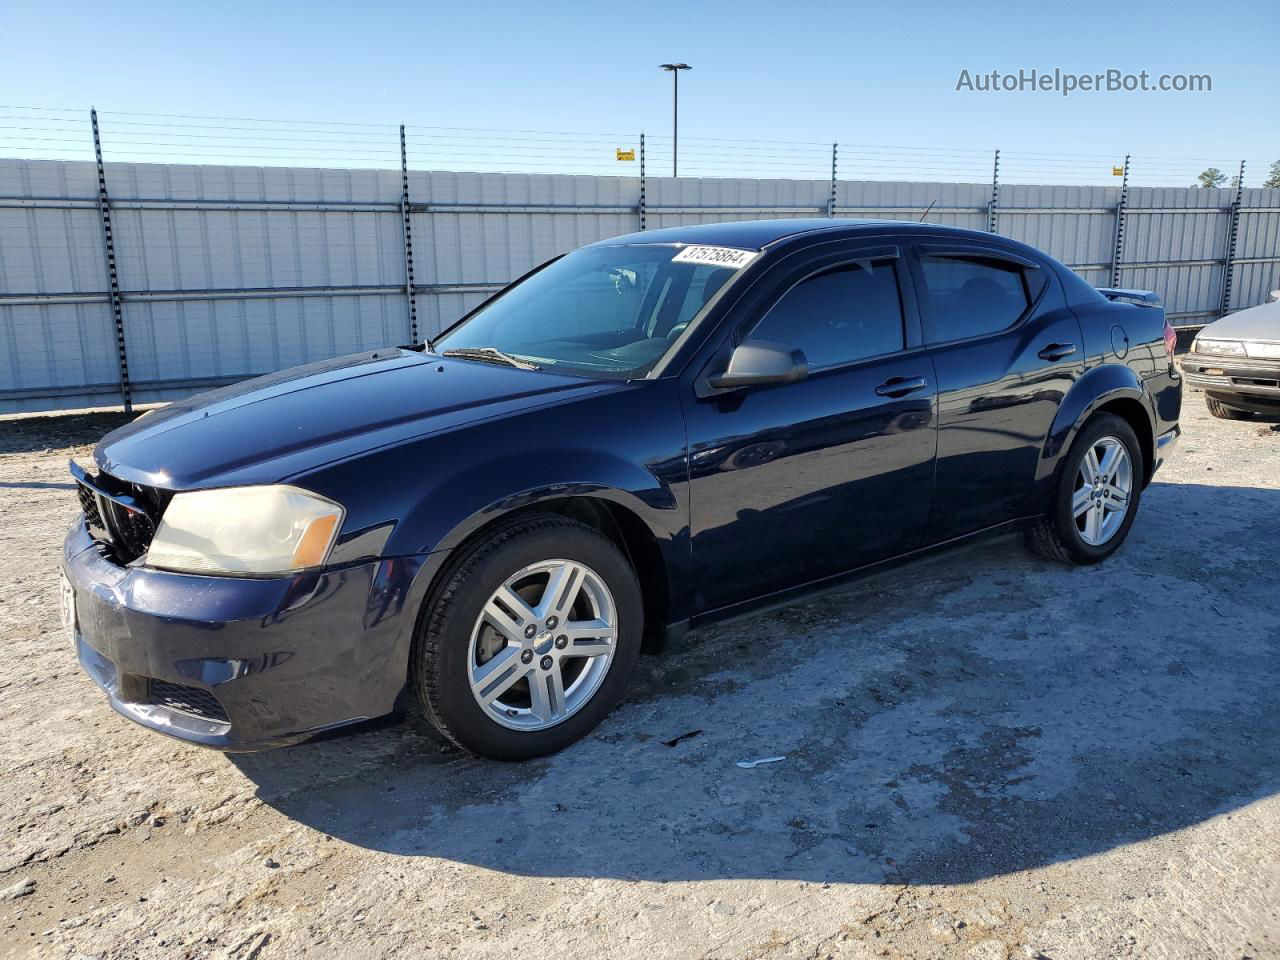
973	295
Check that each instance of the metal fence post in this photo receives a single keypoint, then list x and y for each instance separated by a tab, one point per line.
1117	248
113	276
408	240
1233	233
642	184
831	201
994	206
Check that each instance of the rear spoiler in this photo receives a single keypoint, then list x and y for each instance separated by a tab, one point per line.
1143	298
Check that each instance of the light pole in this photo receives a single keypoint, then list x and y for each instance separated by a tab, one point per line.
674	69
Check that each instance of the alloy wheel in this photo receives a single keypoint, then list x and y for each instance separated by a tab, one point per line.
1104	485
542	644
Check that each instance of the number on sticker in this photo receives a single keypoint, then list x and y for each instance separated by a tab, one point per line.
715	256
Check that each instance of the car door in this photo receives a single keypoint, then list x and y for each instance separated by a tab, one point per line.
1006	349
794	482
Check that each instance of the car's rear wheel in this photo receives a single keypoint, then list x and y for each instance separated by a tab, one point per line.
1096	496
1223	412
531	640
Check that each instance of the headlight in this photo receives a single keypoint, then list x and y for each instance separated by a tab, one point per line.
1229	348
276	529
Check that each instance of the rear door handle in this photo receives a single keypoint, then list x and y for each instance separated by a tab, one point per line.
901	386
1057	351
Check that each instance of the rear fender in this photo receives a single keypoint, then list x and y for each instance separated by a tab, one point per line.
1099	386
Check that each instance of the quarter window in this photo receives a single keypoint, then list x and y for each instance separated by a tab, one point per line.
841	315
972	296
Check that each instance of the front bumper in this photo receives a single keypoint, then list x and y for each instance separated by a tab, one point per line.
1231	376
264	662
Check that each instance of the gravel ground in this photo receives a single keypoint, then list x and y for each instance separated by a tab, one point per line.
987	756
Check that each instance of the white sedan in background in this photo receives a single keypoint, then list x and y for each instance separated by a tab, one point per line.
1236	362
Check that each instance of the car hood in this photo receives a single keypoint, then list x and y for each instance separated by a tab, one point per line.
271	428
1256	323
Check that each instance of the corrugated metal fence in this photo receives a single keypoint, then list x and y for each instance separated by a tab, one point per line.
227	272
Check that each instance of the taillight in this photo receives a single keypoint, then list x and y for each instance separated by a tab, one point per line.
1170	338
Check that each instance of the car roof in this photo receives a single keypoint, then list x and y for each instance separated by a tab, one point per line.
757	234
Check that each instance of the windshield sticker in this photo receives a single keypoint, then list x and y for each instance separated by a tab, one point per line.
715	256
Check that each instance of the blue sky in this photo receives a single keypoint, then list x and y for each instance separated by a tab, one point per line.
803	71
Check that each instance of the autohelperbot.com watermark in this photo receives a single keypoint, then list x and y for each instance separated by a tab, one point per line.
1065	82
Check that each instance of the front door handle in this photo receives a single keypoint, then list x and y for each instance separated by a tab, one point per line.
901	386
1057	351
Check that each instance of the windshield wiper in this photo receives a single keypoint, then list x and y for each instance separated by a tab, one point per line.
490	354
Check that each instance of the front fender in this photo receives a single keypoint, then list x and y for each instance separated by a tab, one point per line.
1099	385
478	498
472	498
424	498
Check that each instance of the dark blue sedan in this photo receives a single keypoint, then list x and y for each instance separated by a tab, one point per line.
647	435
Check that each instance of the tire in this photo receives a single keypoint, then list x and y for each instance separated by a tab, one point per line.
1220	410
1058	534
461	629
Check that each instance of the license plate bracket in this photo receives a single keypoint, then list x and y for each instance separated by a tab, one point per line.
67	606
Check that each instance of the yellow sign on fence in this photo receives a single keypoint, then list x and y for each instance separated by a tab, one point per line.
626	154
1117	171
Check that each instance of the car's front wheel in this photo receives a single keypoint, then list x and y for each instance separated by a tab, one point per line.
1096	497
531	640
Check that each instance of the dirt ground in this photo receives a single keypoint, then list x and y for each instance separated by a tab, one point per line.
987	756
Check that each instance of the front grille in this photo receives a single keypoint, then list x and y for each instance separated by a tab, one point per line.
120	515
89	504
133	529
192	700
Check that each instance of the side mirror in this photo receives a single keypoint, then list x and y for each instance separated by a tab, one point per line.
759	362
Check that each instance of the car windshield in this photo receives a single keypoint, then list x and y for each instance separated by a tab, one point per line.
609	312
